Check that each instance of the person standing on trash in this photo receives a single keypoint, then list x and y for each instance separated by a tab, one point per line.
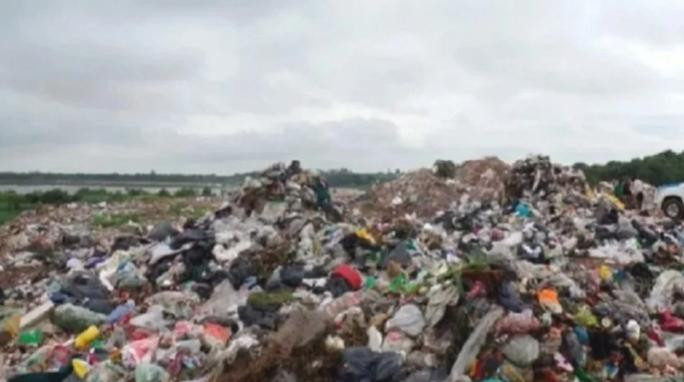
618	189
323	198
294	169
637	190
322	190
623	191
627	192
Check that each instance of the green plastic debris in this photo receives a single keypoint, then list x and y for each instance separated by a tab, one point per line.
373	258
31	337
98	345
371	282
476	261
75	319
398	284
583	376
401	284
585	317
269	300
411	288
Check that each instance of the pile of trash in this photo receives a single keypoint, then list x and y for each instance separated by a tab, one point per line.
294	187
482	179
536	176
426	192
520	274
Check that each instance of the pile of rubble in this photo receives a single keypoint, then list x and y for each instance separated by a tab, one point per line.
426	192
481	273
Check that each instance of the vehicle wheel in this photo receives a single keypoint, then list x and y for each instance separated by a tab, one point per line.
673	208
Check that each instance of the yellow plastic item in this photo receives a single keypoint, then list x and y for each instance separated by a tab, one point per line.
86	337
605	273
589	193
585	317
613	199
10	321
364	234
81	368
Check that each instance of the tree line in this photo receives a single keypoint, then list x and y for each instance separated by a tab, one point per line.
336	178
660	169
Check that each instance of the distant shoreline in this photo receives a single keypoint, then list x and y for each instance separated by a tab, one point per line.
97	183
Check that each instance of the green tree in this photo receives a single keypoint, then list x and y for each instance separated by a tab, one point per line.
659	169
185	192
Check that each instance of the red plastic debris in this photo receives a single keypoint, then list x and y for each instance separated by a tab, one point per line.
350	275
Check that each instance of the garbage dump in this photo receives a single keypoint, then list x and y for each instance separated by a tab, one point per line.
491	273
426	192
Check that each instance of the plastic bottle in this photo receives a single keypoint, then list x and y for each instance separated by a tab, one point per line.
86	337
120	312
343	303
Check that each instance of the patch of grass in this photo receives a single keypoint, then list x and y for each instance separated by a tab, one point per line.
91	195
7	214
85	195
115	220
176	209
11	205
198	213
183	209
150	198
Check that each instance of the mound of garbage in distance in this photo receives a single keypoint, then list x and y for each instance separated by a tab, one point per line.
478	271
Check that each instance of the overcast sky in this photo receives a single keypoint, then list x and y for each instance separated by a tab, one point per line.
225	86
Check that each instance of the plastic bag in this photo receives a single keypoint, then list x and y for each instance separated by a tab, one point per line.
471	348
409	319
215	335
663	290
518	323
439	299
152	320
522	350
140	351
149	372
361	364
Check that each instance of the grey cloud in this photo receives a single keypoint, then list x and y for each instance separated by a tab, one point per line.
95	75
351	141
27	128
216	86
